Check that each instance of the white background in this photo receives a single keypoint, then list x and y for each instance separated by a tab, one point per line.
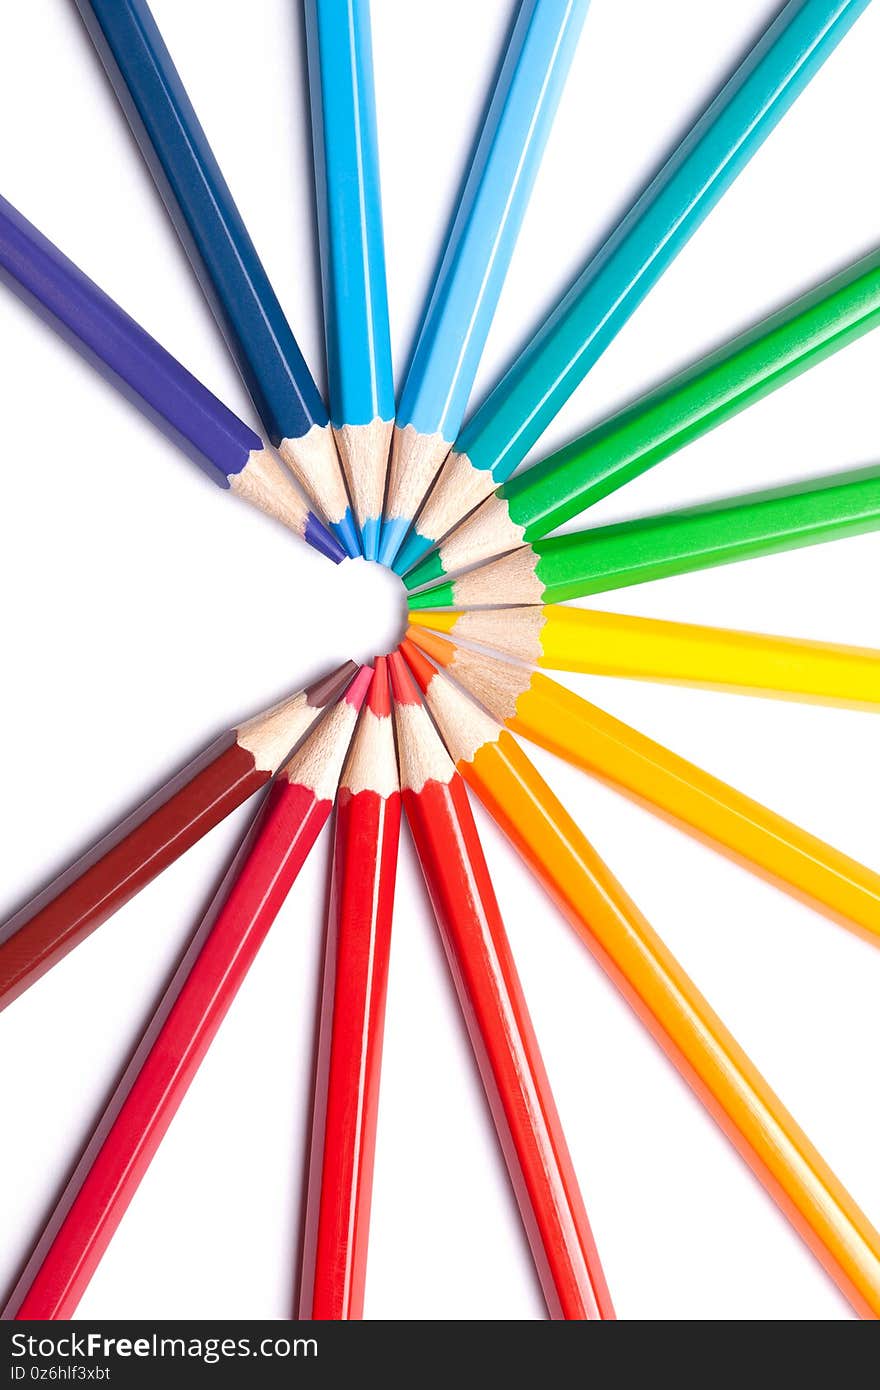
144	611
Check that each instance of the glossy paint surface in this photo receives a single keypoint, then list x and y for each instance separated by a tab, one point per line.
349	1055
739	528
704	395
657	227
123	351
680	1020
749	663
701	804
145	843
506	1049
352	246
204	212
170	1053
483	232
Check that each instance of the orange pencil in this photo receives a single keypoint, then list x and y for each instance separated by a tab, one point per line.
654	984
767	844
496	1014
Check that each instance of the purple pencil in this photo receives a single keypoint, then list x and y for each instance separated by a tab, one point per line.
225	447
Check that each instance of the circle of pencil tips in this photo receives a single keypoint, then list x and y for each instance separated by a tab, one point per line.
421	487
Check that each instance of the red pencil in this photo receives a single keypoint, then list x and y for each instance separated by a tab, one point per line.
352	1018
186	1022
157	833
497	1018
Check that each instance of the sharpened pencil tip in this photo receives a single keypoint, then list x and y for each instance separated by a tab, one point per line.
402	686
379	698
370	533
393	531
412	550
438	648
418	664
356	692
321	539
347	533
329	688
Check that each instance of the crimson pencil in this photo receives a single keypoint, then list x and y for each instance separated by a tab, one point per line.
352	1017
496	1014
177	815
187	1020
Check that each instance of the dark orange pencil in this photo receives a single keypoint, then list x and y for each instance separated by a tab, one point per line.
356	956
496	1014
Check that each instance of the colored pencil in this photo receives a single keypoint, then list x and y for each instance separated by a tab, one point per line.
337	1220
496	1014
764	842
177	815
668	1003
187	1020
225	259
479	245
613	644
682	409
346	149
744	527
226	449
617	278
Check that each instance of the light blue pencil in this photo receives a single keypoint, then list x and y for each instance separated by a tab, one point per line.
346	149
615	281
479	245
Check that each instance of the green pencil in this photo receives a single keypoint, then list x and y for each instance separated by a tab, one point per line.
654	547
704	395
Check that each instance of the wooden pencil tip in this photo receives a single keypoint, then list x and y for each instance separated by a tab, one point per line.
440	649
379	698
330	687
356	692
418	664
402	686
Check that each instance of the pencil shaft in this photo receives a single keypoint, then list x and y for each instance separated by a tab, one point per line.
169	1055
349	1056
349	211
108	875
613	557
652	233
681	1021
697	400
704	805
185	409
483	232
613	644
507	1051
207	219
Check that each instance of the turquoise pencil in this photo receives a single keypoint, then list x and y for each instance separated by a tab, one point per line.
615	281
479	244
352	247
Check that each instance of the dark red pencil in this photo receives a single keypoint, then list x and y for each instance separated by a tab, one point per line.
194	1005
157	833
352	1017
496	1014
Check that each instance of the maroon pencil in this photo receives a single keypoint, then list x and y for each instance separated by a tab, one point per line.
154	835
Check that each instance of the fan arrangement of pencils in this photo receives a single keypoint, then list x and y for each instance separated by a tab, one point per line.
419	486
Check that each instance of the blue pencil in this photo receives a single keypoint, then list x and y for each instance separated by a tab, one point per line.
186	411
615	281
352	250
479	245
225	259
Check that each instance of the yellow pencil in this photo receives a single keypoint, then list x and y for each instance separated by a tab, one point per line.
557	719
652	981
613	644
